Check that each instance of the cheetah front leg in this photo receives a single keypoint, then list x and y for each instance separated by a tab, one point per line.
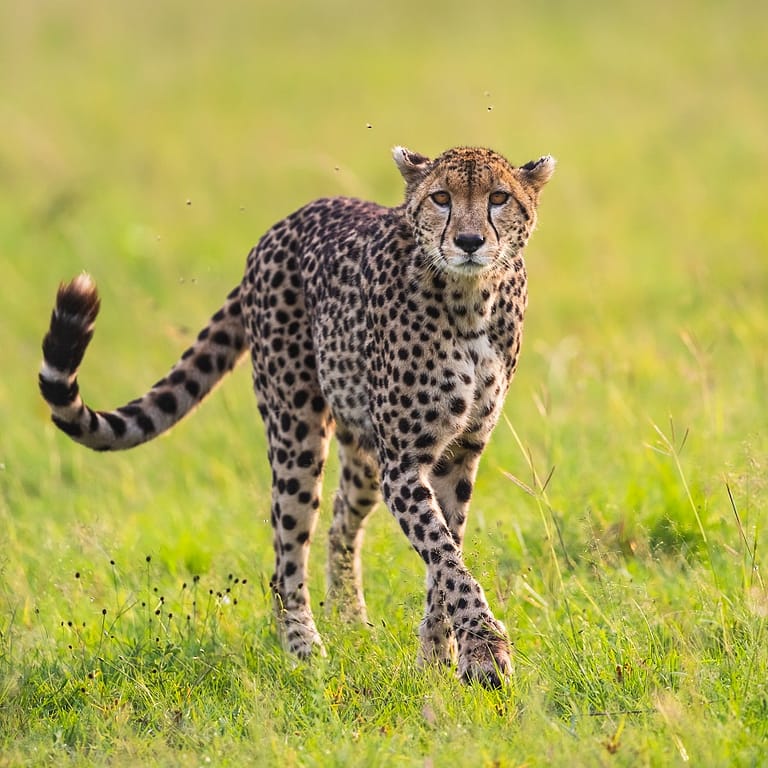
356	498
452	479
482	642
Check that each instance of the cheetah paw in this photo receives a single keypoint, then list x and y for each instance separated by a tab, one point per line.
485	656
300	637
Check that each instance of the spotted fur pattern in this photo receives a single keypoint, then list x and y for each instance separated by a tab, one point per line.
400	329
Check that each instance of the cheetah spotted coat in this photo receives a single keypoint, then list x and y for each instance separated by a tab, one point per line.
400	329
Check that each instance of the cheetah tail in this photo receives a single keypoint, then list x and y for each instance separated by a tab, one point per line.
219	347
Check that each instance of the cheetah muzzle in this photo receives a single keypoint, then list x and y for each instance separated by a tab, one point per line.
400	329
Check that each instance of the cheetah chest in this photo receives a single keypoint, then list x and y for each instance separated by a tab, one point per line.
474	383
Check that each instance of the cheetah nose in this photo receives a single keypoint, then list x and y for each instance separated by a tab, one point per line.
468	243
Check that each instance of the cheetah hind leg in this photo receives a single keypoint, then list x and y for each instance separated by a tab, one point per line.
296	488
356	498
296	630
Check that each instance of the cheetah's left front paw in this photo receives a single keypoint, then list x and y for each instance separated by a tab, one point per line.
485	654
298	634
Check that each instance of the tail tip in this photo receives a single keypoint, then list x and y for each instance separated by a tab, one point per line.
79	297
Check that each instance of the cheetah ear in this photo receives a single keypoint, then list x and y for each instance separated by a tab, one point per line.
538	172
412	165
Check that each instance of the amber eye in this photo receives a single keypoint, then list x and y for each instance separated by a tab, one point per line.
498	198
441	198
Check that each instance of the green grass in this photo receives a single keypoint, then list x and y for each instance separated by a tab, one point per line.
619	520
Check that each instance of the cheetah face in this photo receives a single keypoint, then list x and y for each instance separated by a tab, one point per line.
471	211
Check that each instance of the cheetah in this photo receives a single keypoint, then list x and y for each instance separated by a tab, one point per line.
399	329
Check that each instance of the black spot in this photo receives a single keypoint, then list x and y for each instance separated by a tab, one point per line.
166	402
222	338
458	405
145	424
58	392
177	377
424	440
442	467
345	438
114	421
292	486
288	522
420	493
192	387
463	490
203	363
300	398
277	279
305	459
73	430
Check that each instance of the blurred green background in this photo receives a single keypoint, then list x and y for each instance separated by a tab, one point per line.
152	143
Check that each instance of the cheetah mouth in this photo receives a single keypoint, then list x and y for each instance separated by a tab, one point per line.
468	265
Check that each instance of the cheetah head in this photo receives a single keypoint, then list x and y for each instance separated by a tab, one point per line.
471	210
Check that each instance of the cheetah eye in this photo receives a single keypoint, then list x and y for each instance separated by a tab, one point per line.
441	198
498	198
